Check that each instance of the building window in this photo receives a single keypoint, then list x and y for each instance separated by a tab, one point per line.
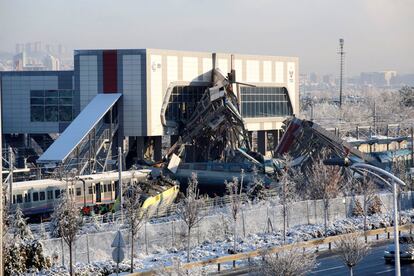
51	105
183	101
265	102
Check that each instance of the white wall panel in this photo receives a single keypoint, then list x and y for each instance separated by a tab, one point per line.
267	71
190	68
207	66
238	66
252	71
279	72
156	95
223	65
291	85
172	69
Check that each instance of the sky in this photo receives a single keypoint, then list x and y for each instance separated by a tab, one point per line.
378	34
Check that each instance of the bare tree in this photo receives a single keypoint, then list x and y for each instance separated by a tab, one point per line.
189	209
287	191
367	188
324	183
69	222
351	250
135	214
292	262
235	193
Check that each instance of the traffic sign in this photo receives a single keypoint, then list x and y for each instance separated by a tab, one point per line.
118	241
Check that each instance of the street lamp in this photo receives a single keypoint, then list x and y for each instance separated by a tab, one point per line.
375	171
380	174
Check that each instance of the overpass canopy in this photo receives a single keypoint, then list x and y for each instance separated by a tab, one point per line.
73	135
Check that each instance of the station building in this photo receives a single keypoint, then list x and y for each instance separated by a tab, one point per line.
35	104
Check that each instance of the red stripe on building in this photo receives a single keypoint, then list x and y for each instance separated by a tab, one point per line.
110	71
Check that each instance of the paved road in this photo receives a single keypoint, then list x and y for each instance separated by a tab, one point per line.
373	264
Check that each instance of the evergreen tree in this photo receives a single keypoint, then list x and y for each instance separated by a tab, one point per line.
357	211
20	228
375	206
35	259
14	258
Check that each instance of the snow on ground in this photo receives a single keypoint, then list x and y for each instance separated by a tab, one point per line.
162	257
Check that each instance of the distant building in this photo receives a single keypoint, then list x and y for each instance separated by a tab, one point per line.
19	61
377	78
328	79
37	47
51	63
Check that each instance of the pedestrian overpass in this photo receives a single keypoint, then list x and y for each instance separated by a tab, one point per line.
86	143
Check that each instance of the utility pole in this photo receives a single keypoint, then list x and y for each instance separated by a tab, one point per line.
341	69
121	198
10	176
374	116
2	195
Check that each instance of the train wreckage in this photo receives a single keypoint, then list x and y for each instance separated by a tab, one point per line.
214	143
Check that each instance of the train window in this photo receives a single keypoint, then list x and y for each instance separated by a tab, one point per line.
26	197
94	190
109	188
57	193
78	192
14	199
35	196
42	195
90	190
104	188
49	195
19	198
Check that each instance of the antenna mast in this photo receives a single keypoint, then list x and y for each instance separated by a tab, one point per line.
341	69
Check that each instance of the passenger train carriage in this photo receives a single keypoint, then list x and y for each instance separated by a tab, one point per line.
38	197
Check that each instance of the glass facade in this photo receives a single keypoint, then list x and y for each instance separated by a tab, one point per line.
51	105
183	101
265	102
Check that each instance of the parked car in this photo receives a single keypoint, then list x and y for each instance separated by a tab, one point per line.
406	249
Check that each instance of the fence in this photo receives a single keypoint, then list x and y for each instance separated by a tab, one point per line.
376	234
254	218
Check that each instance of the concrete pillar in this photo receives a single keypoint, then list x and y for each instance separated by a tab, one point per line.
157	148
250	133
262	141
275	139
140	147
